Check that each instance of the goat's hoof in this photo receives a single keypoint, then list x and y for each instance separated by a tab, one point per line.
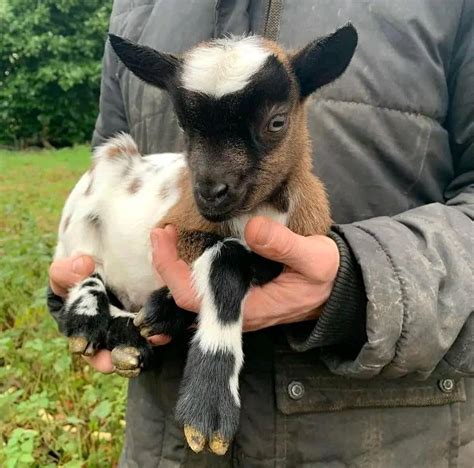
126	361
139	318
218	444
80	345
195	439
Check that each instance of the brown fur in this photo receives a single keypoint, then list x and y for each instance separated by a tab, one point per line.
117	151
134	185
67	221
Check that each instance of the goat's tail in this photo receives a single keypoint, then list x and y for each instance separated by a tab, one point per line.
118	149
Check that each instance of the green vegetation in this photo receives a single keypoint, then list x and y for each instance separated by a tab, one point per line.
54	409
50	64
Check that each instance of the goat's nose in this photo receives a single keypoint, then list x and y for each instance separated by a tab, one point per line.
212	192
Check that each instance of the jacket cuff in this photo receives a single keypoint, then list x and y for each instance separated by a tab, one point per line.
343	319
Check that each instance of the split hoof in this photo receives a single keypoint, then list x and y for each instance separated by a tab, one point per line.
126	361
218	444
195	439
80	345
139	318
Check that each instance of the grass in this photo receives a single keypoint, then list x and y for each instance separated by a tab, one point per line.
54	409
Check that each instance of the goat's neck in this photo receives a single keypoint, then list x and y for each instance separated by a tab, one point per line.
300	203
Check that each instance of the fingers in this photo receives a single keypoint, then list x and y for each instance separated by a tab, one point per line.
175	273
101	361
316	257
66	272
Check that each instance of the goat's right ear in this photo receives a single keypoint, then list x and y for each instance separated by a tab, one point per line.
151	66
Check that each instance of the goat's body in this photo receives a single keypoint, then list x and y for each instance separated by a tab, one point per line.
103	219
240	103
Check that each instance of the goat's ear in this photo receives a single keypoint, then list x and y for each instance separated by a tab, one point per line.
324	59
154	67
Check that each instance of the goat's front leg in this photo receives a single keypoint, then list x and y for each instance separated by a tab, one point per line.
209	402
85	317
161	315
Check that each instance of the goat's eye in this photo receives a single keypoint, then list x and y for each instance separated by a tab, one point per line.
277	123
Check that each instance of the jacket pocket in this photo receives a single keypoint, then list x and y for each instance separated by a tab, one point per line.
303	384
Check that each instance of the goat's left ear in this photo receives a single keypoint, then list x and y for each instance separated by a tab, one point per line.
324	59
154	67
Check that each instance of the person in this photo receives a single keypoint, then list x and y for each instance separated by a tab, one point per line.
383	377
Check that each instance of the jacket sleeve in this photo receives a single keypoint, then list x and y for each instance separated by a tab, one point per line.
417	267
112	117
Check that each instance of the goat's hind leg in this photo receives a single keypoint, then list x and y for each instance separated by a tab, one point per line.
85	317
209	402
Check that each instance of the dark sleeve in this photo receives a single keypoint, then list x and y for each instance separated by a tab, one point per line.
417	267
342	320
112	117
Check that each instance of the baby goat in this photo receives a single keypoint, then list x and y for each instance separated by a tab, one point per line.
241	105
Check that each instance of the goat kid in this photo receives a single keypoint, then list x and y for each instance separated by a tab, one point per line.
241	105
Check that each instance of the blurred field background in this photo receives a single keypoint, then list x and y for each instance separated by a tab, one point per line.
54	410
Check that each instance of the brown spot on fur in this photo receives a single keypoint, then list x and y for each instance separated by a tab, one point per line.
120	146
90	186
164	192
134	185
67	222
280	53
93	218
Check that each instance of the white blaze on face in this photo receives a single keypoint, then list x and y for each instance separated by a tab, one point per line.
223	67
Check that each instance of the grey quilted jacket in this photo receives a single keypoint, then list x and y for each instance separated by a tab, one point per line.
394	144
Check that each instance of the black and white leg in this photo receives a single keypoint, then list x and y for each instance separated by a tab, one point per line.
161	315
85	317
131	352
91	323
209	404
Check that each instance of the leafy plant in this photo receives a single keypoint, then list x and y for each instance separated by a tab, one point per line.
50	54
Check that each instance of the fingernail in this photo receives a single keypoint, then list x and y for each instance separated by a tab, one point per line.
79	265
264	234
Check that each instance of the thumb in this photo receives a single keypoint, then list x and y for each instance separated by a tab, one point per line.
66	272
305	255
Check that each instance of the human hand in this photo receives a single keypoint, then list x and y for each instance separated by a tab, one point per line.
294	296
67	272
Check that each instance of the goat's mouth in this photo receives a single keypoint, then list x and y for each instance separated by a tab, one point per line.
215	216
223	210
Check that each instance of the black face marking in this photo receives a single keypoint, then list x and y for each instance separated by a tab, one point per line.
227	138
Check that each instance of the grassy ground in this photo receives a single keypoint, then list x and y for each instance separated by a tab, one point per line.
54	410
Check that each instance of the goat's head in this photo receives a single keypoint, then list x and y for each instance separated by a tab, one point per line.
240	103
